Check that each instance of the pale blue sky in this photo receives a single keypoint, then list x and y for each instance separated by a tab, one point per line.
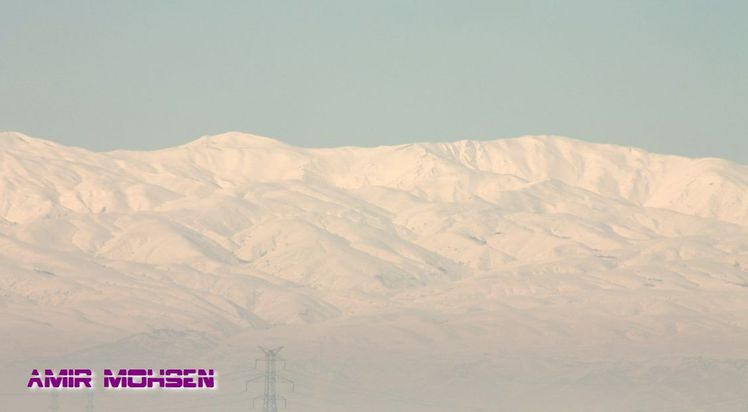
669	76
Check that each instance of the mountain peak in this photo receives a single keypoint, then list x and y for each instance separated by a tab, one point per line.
237	140
11	139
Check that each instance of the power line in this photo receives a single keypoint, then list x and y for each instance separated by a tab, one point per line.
270	396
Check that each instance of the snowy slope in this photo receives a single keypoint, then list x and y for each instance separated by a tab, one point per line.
556	243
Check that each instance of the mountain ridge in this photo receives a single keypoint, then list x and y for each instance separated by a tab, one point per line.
523	256
234	159
232	137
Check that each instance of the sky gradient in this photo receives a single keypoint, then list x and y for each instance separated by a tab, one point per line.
668	76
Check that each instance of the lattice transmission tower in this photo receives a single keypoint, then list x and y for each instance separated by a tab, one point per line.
270	397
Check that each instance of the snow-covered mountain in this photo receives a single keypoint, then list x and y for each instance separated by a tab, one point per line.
538	244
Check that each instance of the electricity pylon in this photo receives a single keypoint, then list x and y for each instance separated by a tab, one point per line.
271	376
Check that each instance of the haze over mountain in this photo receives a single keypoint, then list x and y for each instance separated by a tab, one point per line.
543	262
